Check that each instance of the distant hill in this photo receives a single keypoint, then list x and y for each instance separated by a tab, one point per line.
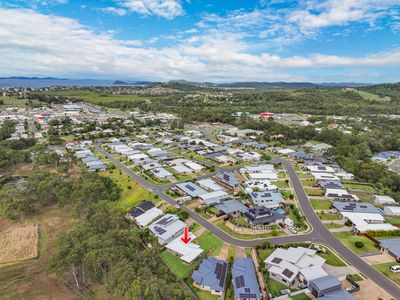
391	90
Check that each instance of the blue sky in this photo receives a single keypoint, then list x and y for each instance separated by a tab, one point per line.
222	41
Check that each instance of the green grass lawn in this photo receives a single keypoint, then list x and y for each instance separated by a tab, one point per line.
281	184
393	220
248	252
369	96
385	270
130	197
349	239
208	242
308	182
363	187
314	192
221	225
301	296
332	259
321	204
274	287
328	216
177	266
264	253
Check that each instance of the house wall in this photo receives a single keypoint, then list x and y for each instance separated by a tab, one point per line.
282	280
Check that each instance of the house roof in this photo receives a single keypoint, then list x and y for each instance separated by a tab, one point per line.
326	282
187	252
356	207
313	272
147	217
331	184
272	196
229	178
262	215
141	208
209	184
191	189
166	226
392	245
211	273
337	295
244	279
231	206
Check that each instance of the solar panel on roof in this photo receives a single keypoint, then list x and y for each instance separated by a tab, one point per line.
247	290
287	273
160	230
189	187
277	260
239	281
248	296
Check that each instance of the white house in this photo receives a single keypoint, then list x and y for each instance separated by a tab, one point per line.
392	211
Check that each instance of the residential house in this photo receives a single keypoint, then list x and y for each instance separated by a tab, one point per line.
270	199
167	228
244	279
231	208
295	266
188	252
211	276
260	216
391	246
144	213
328	287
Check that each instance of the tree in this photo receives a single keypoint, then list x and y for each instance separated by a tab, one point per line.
359	244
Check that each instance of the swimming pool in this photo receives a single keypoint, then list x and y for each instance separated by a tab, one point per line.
280	211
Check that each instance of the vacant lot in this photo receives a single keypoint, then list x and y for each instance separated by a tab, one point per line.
18	243
321	204
362	187
132	192
350	239
385	269
32	279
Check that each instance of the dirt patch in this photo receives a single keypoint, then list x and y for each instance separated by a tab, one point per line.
19	243
370	290
379	259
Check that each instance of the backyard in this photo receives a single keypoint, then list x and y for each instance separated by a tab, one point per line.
209	242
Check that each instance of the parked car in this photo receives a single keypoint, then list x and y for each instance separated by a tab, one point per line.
395	269
292	230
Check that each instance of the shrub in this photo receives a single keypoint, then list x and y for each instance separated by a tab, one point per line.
359	244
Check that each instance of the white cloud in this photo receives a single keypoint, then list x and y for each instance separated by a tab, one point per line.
168	9
63	47
114	11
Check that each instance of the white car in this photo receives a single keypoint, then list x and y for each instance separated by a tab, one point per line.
292	230
395	269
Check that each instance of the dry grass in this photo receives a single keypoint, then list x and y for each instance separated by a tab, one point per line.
18	243
33	279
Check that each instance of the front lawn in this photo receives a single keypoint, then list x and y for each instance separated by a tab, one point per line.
332	259
333	225
281	184
350	239
321	204
208	241
362	187
263	254
385	270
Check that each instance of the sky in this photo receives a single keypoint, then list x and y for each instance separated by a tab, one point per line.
198	40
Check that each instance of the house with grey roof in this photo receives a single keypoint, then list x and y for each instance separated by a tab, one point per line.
231	208
356	207
244	279
260	216
270	199
167	228
328	288
191	189
228	180
391	246
211	275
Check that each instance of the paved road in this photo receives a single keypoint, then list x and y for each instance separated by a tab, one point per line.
319	234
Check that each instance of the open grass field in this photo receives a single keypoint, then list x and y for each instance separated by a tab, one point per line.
281	184
349	239
385	270
369	96
321	204
11	101
394	220
19	242
33	279
132	192
209	242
